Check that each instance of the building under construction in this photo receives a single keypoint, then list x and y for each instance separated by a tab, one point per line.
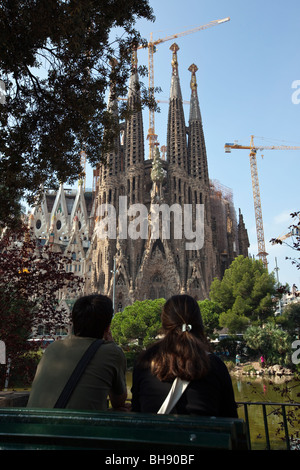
130	268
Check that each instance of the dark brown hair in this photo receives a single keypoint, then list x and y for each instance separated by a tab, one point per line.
91	315
183	351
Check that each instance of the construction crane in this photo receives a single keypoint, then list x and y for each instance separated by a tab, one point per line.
255	188
151	49
294	232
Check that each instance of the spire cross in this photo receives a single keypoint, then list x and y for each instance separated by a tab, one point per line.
174	48
193	69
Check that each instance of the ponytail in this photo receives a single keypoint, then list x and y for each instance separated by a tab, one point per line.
183	352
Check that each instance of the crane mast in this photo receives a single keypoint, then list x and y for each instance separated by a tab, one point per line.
262	254
256	191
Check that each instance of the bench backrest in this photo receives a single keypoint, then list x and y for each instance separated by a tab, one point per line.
26	428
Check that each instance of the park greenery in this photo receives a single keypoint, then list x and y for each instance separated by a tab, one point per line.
243	302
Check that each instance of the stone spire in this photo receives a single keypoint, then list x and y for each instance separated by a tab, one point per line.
134	130
176	138
175	85
197	157
195	114
111	167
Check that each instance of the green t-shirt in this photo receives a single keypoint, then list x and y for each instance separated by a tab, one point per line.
104	374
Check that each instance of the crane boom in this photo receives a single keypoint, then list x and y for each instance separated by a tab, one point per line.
184	33
255	188
228	147
151	49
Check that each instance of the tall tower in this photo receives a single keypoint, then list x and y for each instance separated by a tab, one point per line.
129	251
196	143
107	196
122	185
134	131
176	137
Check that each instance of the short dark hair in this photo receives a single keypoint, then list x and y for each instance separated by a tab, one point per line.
91	315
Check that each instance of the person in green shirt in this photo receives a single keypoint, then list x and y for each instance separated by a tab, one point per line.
104	376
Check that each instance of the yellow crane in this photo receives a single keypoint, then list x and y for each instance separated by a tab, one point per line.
255	188
151	49
294	232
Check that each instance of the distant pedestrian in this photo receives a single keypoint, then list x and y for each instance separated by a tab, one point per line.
262	361
237	359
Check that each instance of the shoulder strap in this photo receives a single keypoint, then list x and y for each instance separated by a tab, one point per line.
177	389
77	373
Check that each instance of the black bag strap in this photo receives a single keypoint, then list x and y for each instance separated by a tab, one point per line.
77	373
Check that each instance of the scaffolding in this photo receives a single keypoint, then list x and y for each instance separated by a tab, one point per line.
221	191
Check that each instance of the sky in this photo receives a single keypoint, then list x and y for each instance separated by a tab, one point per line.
247	68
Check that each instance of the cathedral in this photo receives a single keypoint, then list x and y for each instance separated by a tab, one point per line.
197	232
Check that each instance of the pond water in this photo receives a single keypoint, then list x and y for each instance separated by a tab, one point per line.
268	390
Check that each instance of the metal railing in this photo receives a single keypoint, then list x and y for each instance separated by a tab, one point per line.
278	409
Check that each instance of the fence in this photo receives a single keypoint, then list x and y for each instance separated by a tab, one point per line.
289	420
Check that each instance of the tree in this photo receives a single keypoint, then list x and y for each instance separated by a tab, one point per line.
57	60
270	341
138	324
30	278
210	312
290	319
244	294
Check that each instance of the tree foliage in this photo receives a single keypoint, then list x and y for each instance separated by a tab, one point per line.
270	341
138	324
30	278
56	62
210	313
244	294
290	319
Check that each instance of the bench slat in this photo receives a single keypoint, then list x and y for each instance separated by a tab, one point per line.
35	428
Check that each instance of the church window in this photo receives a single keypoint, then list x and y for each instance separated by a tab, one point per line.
157	290
162	294
152	294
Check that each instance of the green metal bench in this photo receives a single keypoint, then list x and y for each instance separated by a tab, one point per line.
24	428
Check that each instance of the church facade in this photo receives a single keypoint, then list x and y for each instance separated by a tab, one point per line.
151	227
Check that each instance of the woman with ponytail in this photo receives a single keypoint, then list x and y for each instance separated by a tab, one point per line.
183	353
